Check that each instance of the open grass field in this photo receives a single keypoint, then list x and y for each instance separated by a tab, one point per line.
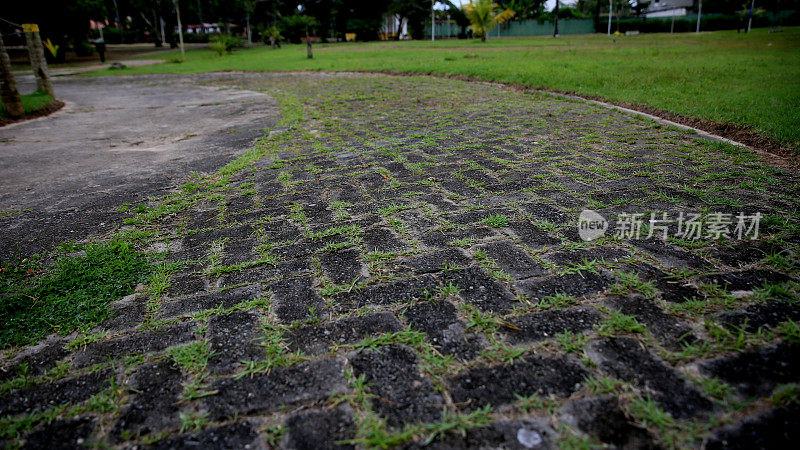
750	80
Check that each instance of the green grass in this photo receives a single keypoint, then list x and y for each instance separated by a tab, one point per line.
32	102
496	221
74	293
744	79
193	358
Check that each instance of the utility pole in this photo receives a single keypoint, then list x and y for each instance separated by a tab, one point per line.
433	22
672	25
610	9
11	101
180	27
699	13
750	18
555	25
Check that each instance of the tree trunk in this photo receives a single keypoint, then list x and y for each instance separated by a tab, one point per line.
399	28
180	27
38	63
249	33
12	103
119	24
555	24
156	28
309	52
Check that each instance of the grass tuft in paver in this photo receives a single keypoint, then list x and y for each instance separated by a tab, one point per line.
630	283
495	221
619	323
192	358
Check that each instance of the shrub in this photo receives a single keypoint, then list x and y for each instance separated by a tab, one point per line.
272	36
224	43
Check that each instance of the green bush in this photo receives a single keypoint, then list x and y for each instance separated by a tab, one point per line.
272	35
224	43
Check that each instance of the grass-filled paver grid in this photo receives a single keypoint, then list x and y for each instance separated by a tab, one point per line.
398	264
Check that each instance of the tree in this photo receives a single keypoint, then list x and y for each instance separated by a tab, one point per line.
11	101
414	12
484	15
524	9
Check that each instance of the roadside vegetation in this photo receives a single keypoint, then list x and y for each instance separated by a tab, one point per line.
742	79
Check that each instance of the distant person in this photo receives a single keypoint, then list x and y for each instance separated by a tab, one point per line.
100	46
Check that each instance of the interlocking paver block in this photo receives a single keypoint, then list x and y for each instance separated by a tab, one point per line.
581	284
154	407
141	342
627	359
480	290
513	260
402	394
547	324
317	339
283	386
757	371
497	385
294	298
44	396
201	302
328	429
446	331
234	338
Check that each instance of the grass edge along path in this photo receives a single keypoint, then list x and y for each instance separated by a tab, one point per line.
36	104
742	87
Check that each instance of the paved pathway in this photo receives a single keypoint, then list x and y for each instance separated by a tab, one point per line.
402	267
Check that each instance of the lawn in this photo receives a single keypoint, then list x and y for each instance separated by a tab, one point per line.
32	102
73	293
725	77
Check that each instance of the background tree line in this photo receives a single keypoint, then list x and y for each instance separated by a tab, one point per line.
66	23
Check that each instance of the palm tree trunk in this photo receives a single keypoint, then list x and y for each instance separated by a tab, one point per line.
38	63
12	103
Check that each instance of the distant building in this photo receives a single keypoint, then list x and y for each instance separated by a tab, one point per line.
389	27
668	8
204	28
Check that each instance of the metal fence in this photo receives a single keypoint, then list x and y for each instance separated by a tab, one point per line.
518	28
536	28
